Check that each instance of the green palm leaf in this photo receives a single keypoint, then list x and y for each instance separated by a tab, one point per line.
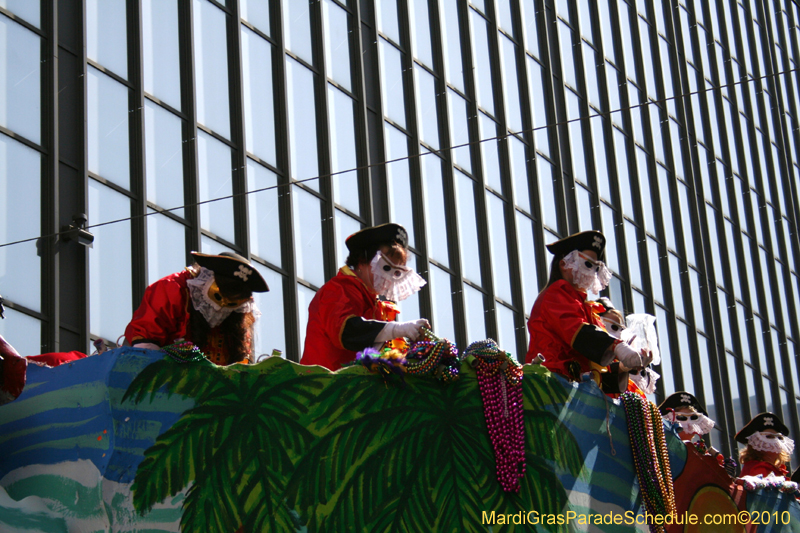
190	379
547	438
171	463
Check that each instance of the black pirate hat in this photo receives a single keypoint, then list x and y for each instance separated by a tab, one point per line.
383	234
234	267
585	240
679	400
762	422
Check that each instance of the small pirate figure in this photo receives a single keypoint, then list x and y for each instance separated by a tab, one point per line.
683	408
768	446
566	329
638	330
347	315
209	304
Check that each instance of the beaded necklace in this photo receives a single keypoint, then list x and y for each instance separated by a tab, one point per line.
435	356
500	381
184	352
650	457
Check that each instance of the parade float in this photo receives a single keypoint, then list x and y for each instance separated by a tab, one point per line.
157	441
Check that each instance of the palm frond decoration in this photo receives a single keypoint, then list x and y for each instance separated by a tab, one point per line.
235	448
418	457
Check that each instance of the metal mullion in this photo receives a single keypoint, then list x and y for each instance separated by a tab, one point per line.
448	179
324	135
268	166
255	30
280	270
50	282
283	161
678	76
189	126
113	186
137	153
27	25
166	212
221	240
547	20
793	245
84	325
414	162
229	143
116	77
507	182
154	99
373	115
238	154
473	127
17	137
305	63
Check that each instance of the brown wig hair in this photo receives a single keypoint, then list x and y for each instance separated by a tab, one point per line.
235	330
555	270
396	254
751	454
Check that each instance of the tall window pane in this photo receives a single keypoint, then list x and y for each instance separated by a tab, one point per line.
256	12
392	82
337	43
23	332
527	252
399	181
270	330
211	67
161	50
110	283
297	28
214	175
106	34
20	215
107	125
435	214
259	107
481	62
453	63
476	323
426	107
421	29
495	217
308	236
166	246
519	172
442	300
20	99
468	228
508	53
341	116
263	211
302	123
163	157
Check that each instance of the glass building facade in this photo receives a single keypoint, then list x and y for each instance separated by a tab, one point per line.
275	128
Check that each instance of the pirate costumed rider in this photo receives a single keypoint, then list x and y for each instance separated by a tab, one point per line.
566	329
768	446
347	315
209	304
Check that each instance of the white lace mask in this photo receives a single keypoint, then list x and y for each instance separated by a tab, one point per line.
214	313
587	274
395	282
770	442
645	380
694	423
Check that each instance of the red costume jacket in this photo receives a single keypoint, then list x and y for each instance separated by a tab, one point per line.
342	297
754	468
163	318
564	327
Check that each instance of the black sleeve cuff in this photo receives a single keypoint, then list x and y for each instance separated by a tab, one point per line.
592	343
359	333
614	381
